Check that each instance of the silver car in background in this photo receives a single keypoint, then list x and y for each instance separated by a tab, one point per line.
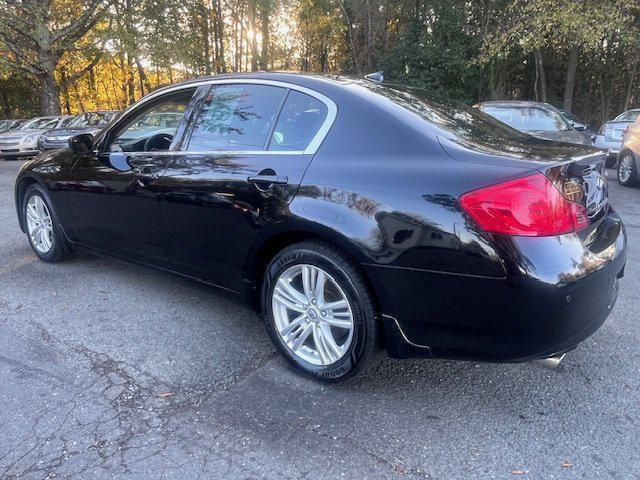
23	142
88	122
11	124
611	133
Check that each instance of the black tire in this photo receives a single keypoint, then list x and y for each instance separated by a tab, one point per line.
611	161
365	344
632	180
60	247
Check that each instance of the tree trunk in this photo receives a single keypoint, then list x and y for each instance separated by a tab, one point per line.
497	81
254	39
65	91
131	86
632	79
570	80
219	27
542	78
50	99
265	11
204	31
352	43
6	107
92	84
144	79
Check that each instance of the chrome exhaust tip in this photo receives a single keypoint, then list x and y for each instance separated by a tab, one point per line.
551	362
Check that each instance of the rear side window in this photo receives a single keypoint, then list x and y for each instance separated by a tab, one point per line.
298	123
629	116
236	117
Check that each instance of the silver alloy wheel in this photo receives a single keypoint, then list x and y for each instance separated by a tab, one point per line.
312	314
625	168
39	224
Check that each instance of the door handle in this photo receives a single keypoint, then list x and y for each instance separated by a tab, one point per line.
273	179
265	182
147	173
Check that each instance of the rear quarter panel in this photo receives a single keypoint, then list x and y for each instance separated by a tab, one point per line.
382	185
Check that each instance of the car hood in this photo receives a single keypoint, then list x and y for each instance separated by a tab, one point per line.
570	136
66	133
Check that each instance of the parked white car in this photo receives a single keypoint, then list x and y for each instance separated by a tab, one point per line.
611	133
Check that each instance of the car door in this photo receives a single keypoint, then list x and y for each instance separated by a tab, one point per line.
244	158
114	191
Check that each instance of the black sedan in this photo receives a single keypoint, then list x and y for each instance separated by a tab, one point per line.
353	216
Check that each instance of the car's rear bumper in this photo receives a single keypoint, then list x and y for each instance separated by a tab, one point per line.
558	292
612	146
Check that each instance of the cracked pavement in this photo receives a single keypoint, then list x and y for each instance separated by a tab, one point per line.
109	369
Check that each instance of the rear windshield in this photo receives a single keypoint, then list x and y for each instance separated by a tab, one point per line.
630	116
528	119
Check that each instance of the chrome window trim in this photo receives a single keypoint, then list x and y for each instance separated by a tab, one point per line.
215	152
312	148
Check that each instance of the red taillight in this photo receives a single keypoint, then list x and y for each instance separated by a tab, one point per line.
530	206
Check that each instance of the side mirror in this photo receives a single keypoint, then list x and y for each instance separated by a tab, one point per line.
82	143
580	128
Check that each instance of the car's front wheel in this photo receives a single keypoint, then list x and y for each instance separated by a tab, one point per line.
43	229
627	172
319	311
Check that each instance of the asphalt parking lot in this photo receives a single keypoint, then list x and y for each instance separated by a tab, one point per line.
110	369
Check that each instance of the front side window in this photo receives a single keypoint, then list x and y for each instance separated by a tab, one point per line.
298	123
236	117
154	127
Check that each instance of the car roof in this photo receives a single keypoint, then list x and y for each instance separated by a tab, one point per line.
295	78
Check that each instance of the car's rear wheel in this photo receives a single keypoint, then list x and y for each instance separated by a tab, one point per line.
43	229
319	311
627	172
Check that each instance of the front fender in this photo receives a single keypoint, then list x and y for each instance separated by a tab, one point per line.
48	170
